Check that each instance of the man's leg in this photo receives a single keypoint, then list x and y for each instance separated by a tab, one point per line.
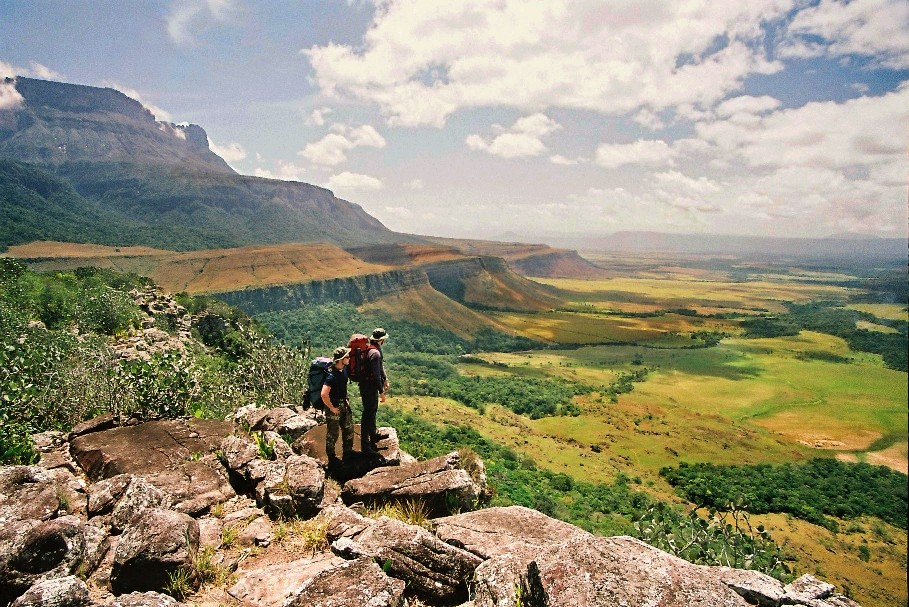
369	393
347	431
333	426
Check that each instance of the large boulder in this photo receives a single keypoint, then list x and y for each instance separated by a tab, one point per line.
124	497
174	455
68	591
28	492
273	584
358	582
434	570
599	572
32	551
492	532
153	547
442	484
146	599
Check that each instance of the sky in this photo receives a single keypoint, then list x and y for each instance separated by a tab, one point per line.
516	120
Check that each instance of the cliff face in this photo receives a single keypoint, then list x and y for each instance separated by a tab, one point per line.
155	183
357	290
58	122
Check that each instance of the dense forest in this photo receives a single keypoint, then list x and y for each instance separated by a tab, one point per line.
813	491
831	318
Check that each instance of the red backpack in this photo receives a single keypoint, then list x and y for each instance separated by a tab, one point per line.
358	368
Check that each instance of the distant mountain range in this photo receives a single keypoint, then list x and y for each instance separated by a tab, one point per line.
850	247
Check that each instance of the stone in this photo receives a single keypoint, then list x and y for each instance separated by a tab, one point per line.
343	522
68	591
440	483
27	492
138	495
434	570
755	587
296	426
97	424
600	572
104	495
492	532
273	584
360	582
811	587
41	550
170	454
305	481
146	599
156	544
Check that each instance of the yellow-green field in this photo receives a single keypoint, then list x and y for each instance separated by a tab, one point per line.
773	400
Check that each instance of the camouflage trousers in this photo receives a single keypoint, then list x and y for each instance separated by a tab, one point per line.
341	423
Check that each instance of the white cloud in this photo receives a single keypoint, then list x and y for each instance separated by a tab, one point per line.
332	149
286	171
232	152
189	17
421	61
522	140
873	28
160	114
8	70
858	132
348	181
614	155
36	70
44	72
563	160
747	105
10	99
317	116
676	180
416	184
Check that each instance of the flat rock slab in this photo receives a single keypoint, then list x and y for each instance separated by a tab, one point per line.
503	530
174	455
270	586
600	572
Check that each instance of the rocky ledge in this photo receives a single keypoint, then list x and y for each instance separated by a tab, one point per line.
248	512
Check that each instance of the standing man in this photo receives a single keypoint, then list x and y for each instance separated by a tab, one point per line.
372	389
337	407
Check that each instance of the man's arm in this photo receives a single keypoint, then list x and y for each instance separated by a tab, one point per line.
326	399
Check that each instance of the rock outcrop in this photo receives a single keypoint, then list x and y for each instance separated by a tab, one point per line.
120	531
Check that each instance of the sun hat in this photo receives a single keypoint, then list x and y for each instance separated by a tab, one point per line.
379	334
339	353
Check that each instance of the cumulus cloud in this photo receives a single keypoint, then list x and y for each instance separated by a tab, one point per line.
614	155
878	29
10	99
858	132
523	139
160	114
232	152
317	116
286	171
420	62
348	181
332	149
416	184
35	70
188	17
44	72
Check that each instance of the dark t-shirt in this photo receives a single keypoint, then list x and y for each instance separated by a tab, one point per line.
376	367
337	381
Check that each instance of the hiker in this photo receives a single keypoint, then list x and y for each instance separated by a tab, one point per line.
372	389
337	407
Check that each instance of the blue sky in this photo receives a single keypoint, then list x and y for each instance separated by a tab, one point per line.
521	120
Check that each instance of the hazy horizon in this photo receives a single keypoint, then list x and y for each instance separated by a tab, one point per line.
552	120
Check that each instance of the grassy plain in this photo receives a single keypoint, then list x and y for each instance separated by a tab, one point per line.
770	400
